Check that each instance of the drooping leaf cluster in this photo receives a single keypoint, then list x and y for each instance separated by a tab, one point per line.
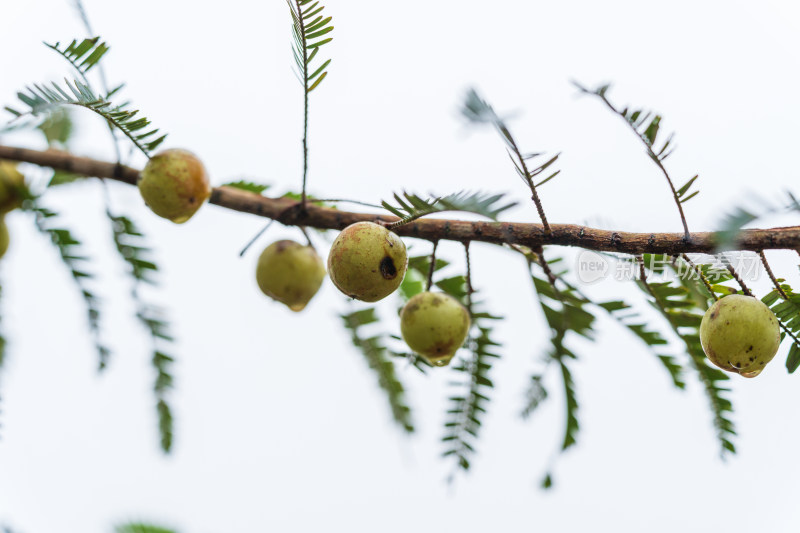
379	359
566	314
683	303
71	253
129	242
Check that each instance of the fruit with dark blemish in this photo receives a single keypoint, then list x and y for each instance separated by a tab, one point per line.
174	184
434	325
740	334
367	261
290	273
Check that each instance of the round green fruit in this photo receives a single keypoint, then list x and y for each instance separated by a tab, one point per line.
174	184
434	325
4	237
367	261
12	187
290	273
740	334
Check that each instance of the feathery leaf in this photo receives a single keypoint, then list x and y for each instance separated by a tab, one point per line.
70	250
41	99
411	207
82	56
378	358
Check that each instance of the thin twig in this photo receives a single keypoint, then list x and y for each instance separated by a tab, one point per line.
305	234
738	279
771	275
655	159
255	238
702	276
528	178
432	268
546	268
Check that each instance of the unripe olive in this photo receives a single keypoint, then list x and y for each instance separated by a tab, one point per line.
290	273
434	325
174	184
12	187
367	261
4	238
740	334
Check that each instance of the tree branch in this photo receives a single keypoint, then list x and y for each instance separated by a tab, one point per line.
289	212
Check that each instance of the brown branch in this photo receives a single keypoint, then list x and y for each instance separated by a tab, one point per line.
289	212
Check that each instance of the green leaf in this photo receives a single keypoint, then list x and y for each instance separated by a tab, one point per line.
686	185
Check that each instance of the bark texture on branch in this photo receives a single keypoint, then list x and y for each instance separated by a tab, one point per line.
289	212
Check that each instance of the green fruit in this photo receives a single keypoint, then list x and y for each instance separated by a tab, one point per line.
174	184
740	334
367	261
435	326
4	238
12	187
290	273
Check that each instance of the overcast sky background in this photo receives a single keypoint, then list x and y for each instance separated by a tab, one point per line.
280	424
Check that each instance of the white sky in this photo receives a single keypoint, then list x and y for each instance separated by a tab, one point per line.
280	424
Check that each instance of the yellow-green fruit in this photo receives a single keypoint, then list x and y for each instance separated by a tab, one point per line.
174	184
740	334
435	326
290	273
3	237
12	187
367	261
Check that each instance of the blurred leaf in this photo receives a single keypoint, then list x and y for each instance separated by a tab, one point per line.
378	357
57	128
248	186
